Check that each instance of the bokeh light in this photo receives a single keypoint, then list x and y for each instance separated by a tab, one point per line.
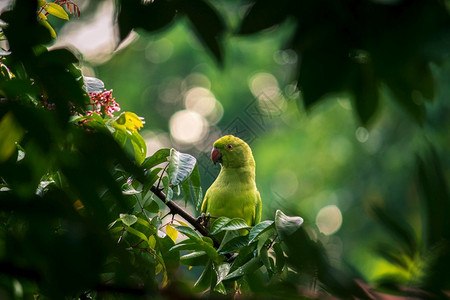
264	86
187	127
285	183
329	219
159	51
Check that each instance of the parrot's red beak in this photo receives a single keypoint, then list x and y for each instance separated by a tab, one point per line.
216	156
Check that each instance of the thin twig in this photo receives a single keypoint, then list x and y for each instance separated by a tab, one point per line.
178	210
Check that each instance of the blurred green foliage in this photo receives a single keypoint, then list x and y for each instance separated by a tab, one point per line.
367	168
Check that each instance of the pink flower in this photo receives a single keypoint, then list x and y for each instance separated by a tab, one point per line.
103	102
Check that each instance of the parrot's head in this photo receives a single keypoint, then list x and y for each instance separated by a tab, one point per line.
232	152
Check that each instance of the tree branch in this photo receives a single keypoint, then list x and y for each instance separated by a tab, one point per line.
176	209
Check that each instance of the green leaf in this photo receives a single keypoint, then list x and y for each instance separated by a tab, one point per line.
262	16
264	255
150	179
281	260
187	245
259	229
139	146
222	271
189	232
286	225
119	135
152	207
49	27
57	11
137	233
10	134
207	24
157	158
180	167
220	288
167	189
136	14
248	268
224	223
185	186
171	258
128	219
172	232
196	187
204	281
199	258
234	244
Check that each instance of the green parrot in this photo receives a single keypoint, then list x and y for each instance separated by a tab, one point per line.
233	194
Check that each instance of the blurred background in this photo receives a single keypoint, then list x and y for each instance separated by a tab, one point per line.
320	164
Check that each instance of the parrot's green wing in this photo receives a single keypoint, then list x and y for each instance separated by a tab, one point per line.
204	205
258	209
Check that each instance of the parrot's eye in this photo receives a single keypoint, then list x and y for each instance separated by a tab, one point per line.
229	147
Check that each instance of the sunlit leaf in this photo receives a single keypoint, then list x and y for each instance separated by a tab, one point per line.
199	258
10	133
139	146
128	219
128	122
222	271
42	16
57	11
286	225
92	84
49	27
180	167
172	232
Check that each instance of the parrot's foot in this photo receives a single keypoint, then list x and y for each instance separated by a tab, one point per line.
204	220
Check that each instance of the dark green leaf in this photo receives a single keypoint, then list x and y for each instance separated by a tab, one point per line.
196	187
152	207
262	15
223	224
150	16
205	279
234	244
185	186
259	229
398	228
248	268
279	255
189	232
157	158
207	23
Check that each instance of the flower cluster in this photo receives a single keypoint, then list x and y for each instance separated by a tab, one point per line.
103	102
